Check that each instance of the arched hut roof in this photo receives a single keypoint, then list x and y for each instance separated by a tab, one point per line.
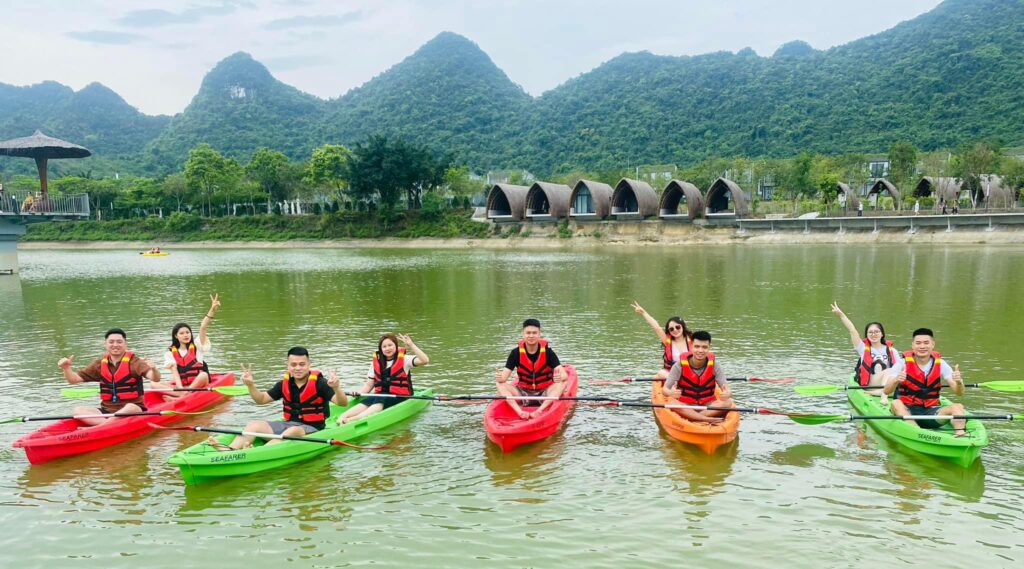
944	188
600	198
852	199
634	193
994	193
507	201
545	198
722	186
678	191
883	185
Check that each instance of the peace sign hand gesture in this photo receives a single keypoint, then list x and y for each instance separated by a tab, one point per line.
836	310
214	303
639	309
332	379
247	375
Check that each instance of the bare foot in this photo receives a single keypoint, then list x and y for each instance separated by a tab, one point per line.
217	445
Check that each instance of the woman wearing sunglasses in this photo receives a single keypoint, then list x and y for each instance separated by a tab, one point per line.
875	354
676	339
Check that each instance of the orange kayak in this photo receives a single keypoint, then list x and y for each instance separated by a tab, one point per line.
706	436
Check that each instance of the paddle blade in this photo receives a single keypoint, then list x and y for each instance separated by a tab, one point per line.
1005	386
79	393
350	445
816	389
811	419
778	381
232	390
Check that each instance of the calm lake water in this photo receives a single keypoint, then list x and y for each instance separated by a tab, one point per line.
608	491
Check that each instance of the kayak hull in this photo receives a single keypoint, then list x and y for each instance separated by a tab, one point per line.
705	436
505	428
154	254
68	437
201	463
935	442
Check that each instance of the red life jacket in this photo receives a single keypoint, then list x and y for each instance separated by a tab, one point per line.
538	375
307	406
667	359
696	389
867	360
394	380
188	366
121	383
918	389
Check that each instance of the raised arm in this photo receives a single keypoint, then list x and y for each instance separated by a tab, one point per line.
65	365
956	382
854	335
421	358
650	320
210	314
339	398
260	397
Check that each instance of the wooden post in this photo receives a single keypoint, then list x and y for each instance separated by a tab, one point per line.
41	166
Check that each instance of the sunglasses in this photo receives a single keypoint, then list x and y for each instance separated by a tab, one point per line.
674	328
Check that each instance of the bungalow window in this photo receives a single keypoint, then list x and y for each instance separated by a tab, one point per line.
584	202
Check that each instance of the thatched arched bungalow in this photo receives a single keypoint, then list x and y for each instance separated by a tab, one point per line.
590	200
506	202
724	197
944	189
634	199
851	198
546	201
883	185
992	193
680	199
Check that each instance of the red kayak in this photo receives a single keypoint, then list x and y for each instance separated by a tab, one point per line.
508	431
69	437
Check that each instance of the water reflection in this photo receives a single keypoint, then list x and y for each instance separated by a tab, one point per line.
695	471
804	455
528	463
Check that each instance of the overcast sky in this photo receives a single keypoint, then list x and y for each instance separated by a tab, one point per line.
154	53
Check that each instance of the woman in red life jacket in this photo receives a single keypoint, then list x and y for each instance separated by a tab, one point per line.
185	358
539	372
390	373
693	379
305	396
919	380
121	375
675	339
875	354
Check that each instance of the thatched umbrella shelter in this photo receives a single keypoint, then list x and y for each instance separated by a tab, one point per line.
634	198
590	199
42	148
679	192
723	195
547	199
852	199
883	185
507	201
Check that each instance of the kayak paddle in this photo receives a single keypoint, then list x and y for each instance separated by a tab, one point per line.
107	416
335	442
815	419
1004	386
80	393
751	379
477	397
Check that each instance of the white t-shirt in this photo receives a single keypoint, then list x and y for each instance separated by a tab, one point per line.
202	350
880	354
410	361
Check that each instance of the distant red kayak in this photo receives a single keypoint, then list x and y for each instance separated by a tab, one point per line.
69	437
508	431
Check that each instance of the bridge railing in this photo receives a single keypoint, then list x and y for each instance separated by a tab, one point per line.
25	204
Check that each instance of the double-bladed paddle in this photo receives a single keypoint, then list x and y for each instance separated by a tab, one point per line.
99	416
82	393
816	419
1004	386
199	429
748	378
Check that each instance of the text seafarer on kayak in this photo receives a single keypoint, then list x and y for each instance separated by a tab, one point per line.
537	367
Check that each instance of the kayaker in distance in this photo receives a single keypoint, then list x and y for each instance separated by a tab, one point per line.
692	381
185	359
919	380
537	367
305	395
121	375
390	372
875	354
675	339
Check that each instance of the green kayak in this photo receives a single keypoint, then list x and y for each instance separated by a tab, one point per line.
201	463
936	442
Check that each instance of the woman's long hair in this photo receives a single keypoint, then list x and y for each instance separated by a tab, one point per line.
880	327
687	333
382	360
174	334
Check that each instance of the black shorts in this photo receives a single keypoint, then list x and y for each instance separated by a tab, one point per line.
109	412
530	393
385	402
278	427
922	410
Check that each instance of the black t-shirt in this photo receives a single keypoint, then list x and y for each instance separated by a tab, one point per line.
513	358
325	391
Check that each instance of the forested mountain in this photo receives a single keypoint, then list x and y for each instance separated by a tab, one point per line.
953	75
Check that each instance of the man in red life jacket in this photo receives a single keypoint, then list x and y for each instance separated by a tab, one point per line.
539	371
693	379
305	395
919	378
121	375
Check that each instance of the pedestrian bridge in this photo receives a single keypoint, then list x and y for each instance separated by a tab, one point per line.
18	209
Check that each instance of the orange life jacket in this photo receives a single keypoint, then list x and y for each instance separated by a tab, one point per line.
667	359
306	406
919	389
188	366
864	365
538	375
696	389
394	380
121	383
